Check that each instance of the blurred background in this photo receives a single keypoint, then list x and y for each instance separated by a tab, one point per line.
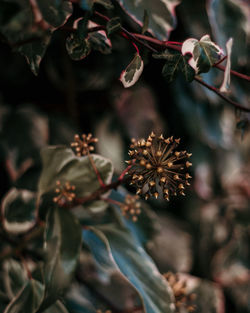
205	234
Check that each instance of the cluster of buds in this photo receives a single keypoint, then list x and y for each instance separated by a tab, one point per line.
183	299
131	207
65	193
83	146
157	167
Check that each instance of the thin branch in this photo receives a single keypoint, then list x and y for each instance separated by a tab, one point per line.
98	175
242	76
215	90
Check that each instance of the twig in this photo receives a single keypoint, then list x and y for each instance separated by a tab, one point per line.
98	175
215	90
242	76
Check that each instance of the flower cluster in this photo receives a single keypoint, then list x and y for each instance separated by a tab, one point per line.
183	300
131	207
83	146
106	311
157	167
65	193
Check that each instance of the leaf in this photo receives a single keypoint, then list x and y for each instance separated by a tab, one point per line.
34	52
60	163
132	72
34	22
99	40
145	22
231	19
57	307
62	248
113	26
226	81
162	17
55	12
28	299
88	4
18	210
176	63
14	277
105	3
77	48
116	248
205	53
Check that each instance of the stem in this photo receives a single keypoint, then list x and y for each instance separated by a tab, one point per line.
135	46
25	265
97	194
121	177
242	76
98	175
215	90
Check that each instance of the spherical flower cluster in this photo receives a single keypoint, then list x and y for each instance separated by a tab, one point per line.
131	207
157	167
183	299
83	146
65	193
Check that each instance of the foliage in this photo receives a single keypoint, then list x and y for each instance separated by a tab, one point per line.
74	236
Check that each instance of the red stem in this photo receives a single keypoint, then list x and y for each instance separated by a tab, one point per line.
215	90
135	46
242	76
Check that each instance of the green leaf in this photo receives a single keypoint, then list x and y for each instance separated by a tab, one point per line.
113	25
14	277
132	72
18	209
62	247
60	163
114	247
28	299
77	48
176	63
205	53
162	18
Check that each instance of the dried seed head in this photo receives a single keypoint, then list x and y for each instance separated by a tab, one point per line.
157	166
183	299
83	146
65	193
131	207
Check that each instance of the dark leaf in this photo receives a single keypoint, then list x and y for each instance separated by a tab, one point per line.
14	277
176	63
113	25
55	12
77	48
62	247
28	299
18	209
